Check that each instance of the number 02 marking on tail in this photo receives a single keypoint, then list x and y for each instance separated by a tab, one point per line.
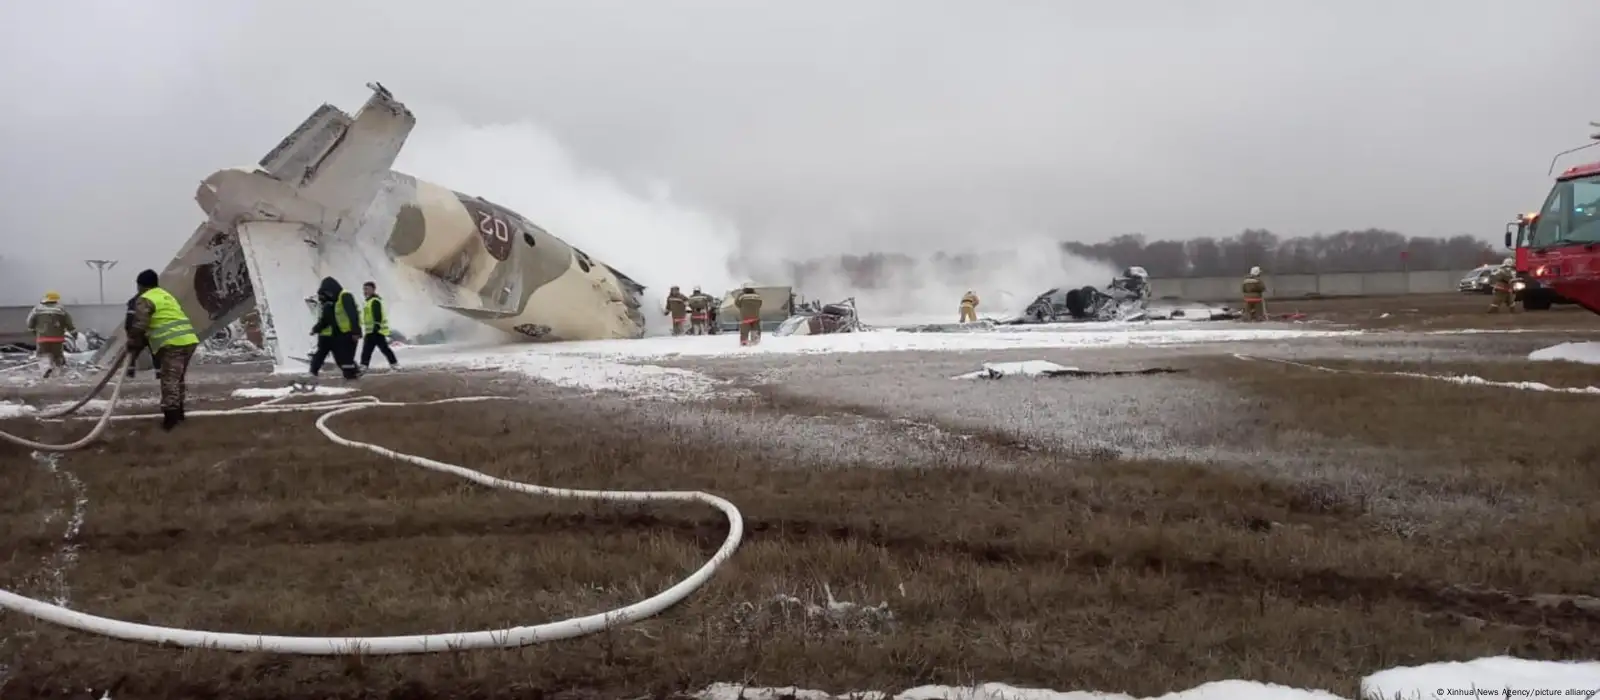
496	226
491	225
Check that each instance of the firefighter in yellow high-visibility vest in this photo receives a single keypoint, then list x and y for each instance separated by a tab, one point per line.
160	324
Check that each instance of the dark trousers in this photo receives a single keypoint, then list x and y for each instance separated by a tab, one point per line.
343	349
380	342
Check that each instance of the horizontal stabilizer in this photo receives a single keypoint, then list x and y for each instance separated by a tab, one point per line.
291	160
480	314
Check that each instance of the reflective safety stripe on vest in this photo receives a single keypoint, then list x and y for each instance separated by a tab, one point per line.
340	317
169	326
366	317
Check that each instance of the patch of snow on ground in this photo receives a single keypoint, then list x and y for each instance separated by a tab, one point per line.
1490	676
13	409
603	365
1219	690
1465	379
1025	368
645	381
1586	353
93	405
262	392
883	341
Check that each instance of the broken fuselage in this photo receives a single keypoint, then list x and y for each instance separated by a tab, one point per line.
325	203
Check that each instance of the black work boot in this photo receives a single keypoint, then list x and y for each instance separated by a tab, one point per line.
181	417
169	418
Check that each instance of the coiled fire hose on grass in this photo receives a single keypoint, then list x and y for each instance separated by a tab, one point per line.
393	645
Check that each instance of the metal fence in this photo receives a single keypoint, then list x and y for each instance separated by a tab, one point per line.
1339	284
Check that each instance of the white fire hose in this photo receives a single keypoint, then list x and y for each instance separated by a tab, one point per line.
403	644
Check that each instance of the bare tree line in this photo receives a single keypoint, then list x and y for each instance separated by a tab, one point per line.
1371	250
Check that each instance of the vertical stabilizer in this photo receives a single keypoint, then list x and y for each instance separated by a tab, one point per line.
284	266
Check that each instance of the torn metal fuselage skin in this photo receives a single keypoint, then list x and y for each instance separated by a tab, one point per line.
1127	298
817	318
325	203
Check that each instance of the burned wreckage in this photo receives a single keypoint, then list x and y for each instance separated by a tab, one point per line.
1127	298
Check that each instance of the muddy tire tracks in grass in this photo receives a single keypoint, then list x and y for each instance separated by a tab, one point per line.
1568	624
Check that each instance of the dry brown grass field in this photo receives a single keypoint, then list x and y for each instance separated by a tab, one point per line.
1298	527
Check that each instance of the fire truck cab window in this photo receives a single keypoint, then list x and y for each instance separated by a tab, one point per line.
1585	209
1552	221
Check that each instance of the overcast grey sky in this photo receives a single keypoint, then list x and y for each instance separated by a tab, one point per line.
851	124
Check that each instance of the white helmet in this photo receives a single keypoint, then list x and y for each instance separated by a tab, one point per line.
1136	271
1256	270
1509	262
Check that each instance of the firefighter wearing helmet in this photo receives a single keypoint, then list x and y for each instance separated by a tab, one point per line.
748	302
701	306
1255	296
1501	280
50	325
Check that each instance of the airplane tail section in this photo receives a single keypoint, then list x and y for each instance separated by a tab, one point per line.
209	279
270	230
283	263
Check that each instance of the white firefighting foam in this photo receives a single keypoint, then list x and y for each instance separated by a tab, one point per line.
618	365
1485	677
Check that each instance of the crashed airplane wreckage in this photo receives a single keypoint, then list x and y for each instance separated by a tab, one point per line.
1127	298
324	202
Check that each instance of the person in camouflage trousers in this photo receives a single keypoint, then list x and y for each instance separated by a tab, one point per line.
1255	292
1501	280
749	304
160	324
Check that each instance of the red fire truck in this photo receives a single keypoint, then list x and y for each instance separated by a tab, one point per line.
1557	245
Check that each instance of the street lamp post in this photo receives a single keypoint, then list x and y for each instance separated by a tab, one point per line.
100	268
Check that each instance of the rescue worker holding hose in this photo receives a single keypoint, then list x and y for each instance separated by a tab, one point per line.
160	325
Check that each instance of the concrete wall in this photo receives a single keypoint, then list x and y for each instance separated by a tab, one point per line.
104	318
1330	285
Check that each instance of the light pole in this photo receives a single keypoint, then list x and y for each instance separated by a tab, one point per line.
100	268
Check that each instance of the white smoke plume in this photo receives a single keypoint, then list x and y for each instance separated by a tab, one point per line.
927	287
648	236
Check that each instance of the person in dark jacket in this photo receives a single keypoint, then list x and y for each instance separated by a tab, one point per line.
338	329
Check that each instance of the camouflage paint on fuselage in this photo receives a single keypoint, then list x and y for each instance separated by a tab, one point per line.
325	202
493	265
